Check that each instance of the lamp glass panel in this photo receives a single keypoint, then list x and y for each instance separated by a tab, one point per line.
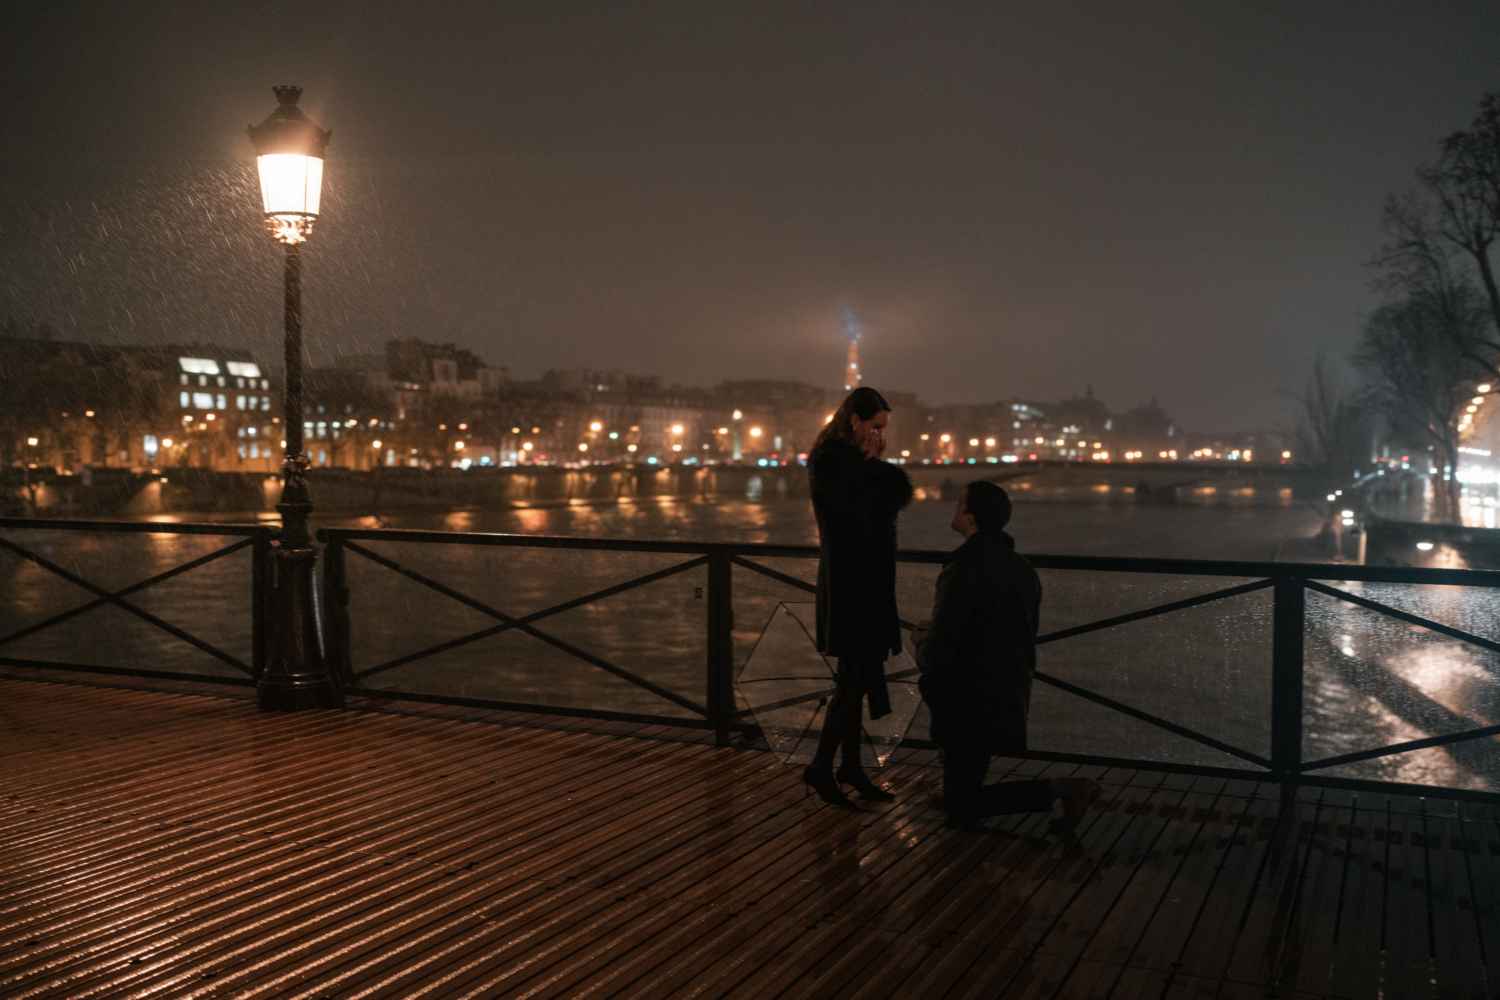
290	183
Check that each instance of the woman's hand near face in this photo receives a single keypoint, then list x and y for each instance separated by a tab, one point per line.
869	435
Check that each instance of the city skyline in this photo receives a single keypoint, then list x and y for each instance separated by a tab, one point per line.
1172	200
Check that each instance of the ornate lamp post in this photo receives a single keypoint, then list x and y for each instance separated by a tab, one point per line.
289	154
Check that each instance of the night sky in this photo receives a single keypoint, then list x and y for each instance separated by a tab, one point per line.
1014	199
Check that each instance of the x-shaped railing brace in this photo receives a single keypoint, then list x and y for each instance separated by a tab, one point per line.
116	598
524	624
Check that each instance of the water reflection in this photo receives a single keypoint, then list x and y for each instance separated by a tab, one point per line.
1374	681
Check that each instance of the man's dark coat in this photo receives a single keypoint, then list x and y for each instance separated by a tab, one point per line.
980	651
856	501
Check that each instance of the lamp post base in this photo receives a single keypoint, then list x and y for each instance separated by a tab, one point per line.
296	677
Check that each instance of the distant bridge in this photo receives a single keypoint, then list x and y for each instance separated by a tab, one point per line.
1157	477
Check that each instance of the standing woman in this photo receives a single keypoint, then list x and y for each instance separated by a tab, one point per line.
856	498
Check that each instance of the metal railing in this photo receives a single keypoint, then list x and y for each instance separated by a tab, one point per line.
256	538
1288	583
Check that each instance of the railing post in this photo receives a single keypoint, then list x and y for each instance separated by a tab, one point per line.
1286	677
336	600
720	642
261	584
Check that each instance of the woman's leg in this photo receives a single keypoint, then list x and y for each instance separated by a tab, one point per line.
841	723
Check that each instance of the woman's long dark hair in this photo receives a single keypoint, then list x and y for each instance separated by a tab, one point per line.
863	403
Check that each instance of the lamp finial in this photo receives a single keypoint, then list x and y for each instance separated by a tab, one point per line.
287	95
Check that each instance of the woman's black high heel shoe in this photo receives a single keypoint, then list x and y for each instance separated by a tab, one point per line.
857	779
827	788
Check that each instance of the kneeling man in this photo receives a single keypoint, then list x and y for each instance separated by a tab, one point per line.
977	654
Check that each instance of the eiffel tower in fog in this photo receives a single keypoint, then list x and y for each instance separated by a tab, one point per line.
852	376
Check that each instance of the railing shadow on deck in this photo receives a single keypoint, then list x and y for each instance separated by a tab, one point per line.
404	608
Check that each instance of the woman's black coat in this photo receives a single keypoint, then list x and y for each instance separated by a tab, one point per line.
856	501
980	652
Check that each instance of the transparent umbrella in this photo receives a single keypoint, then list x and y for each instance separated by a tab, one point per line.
786	683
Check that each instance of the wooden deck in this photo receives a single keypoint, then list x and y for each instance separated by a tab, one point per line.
186	845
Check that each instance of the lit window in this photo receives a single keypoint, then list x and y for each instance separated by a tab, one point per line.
203	401
221	401
186	399
199	366
265	402
239	402
244	368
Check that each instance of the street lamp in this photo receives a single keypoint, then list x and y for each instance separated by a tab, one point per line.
289	156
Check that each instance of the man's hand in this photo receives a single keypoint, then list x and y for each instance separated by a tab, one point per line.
919	634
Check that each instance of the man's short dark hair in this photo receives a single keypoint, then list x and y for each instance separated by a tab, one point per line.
988	504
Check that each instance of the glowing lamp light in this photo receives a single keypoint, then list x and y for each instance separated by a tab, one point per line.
31	441
1425	546
596	426
630	447
989	442
677	447
755	432
375	444
583	447
526	446
458	446
738	415
676	428
945	439
1483	388
88	413
973	442
289	152
166	442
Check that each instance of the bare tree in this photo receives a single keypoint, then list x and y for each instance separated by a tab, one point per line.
1442	237
1333	430
1418	357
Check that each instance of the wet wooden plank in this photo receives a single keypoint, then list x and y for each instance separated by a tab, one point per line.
1163	935
1456	929
1209	945
1481	832
1131	863
1306	960
1360	920
1272	901
1407	967
186	846
1113	938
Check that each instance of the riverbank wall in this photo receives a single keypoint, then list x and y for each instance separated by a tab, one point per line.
119	493
1391	542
